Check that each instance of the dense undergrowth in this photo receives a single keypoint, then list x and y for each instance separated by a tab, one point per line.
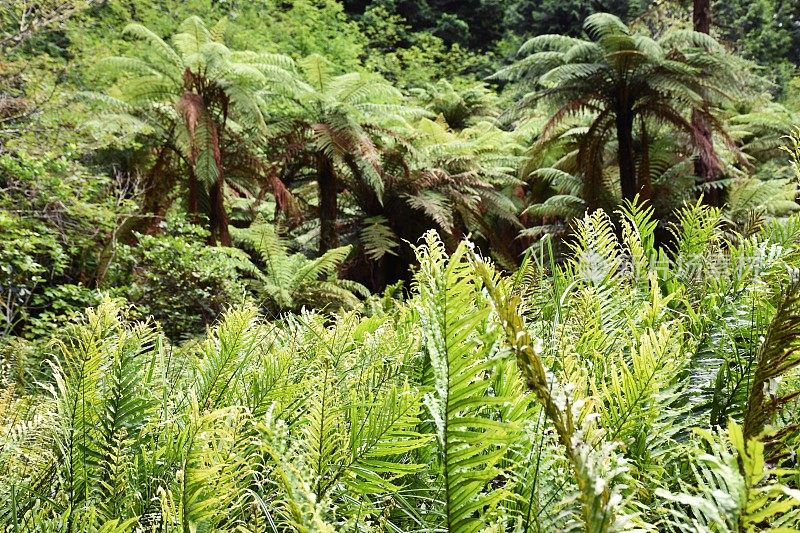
399	266
626	389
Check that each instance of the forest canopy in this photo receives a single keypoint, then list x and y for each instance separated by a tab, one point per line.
399	265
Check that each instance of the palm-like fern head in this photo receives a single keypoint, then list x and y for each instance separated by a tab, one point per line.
343	116
187	90
459	107
619	74
456	178
586	73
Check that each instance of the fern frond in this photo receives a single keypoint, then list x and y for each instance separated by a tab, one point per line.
777	357
378	238
461	345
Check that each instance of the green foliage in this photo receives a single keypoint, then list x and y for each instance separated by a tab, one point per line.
53	214
461	343
560	398
25	256
58	305
412	59
378	238
734	472
640	376
307	27
460	180
763	30
620	79
199	98
334	126
180	281
566	17
775	359
459	108
772	197
20	21
290	282
298	29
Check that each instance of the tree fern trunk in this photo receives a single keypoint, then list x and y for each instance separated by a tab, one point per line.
627	167
702	168
193	203
645	183
701	16
156	199
218	216
701	21
328	210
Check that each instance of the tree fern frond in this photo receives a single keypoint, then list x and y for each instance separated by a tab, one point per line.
378	238
164	50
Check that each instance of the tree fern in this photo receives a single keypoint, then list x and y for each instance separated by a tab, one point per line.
617	77
290	281
194	95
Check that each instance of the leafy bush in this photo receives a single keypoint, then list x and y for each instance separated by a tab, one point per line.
54	213
60	304
27	258
179	280
413	59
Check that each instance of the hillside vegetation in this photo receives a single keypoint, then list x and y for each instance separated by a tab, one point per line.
399	266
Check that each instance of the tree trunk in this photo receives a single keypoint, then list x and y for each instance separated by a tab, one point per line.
193	204
627	166
218	217
705	171
701	21
701	16
645	183
371	206
156	199
328	210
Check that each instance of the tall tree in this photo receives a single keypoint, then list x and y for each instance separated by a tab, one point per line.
618	76
200	100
